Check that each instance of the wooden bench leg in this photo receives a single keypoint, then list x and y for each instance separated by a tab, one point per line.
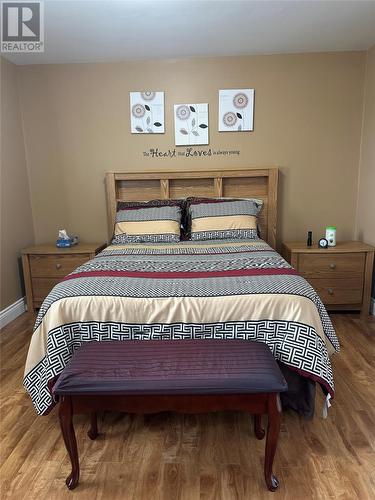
93	431
67	429
258	429
274	421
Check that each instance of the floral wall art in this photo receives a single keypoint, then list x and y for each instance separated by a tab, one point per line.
191	124
147	112
236	110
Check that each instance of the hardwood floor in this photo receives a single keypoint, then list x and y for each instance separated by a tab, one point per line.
216	456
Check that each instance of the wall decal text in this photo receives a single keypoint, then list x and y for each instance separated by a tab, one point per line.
188	153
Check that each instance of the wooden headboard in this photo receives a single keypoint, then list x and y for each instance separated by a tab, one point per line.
246	183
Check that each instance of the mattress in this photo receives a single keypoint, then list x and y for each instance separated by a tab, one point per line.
221	290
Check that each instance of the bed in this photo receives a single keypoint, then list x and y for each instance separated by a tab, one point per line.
218	289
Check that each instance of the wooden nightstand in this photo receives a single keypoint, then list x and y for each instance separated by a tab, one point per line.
342	275
45	265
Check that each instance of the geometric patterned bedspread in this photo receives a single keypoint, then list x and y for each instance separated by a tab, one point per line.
224	289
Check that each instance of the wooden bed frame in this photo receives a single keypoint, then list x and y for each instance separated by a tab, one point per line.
246	183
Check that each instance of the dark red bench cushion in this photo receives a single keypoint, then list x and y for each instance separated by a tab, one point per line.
171	367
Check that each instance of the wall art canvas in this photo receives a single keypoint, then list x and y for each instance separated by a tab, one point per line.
236	110
147	112
191	124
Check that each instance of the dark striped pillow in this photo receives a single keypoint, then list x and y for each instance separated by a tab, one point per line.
224	218
148	223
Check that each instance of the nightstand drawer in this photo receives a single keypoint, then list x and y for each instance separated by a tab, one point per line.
55	265
345	265
42	287
338	290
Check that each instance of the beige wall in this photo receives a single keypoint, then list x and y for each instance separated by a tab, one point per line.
308	110
16	219
366	190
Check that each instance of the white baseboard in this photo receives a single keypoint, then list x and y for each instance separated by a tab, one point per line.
12	312
372	307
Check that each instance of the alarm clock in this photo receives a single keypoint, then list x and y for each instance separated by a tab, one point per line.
323	243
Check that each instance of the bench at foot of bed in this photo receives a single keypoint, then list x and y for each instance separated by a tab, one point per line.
188	376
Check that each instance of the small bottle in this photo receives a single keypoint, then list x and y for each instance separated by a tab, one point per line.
331	236
309	238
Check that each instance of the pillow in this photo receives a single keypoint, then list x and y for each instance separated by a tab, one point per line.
179	202
148	222
224	218
194	200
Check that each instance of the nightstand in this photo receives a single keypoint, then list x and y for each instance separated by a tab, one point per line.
45	265
342	275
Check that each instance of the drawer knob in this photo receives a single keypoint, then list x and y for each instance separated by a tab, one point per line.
332	266
330	291
58	266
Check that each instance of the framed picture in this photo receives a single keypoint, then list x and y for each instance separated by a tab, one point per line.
191	124
236	110
147	112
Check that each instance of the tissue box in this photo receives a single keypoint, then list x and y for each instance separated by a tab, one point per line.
63	242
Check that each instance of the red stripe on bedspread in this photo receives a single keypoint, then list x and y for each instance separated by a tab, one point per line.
183	275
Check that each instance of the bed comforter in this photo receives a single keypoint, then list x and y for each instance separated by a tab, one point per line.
204	290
